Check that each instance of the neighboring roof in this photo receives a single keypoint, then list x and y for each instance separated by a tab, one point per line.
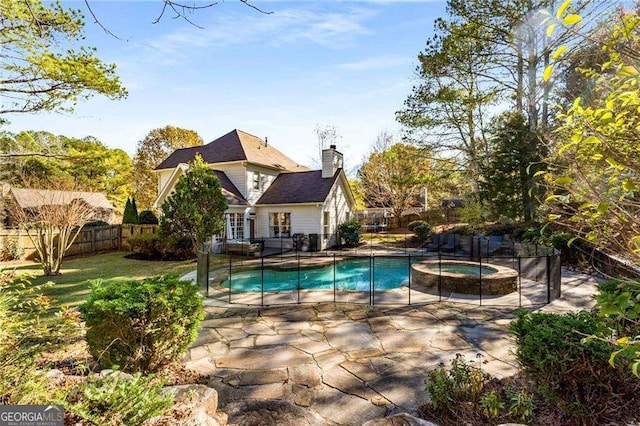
32	198
300	187
234	146
229	190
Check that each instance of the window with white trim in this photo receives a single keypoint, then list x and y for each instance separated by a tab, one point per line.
256	180
280	225
235	226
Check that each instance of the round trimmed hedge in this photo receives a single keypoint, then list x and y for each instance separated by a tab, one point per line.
140	326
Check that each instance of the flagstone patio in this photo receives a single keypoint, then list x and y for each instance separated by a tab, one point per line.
347	363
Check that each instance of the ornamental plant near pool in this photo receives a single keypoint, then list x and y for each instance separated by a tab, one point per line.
141	326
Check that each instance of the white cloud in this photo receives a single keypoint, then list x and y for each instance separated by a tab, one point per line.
286	26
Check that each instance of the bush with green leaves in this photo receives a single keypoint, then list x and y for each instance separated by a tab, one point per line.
566	368
492	404
140	326
24	335
350	233
148	246
422	230
159	247
618	304
473	214
10	250
463	382
116	399
147	217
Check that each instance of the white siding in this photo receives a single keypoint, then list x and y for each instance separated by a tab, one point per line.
236	174
163	178
304	219
267	177
338	209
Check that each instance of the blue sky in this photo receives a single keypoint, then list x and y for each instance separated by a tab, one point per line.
348	64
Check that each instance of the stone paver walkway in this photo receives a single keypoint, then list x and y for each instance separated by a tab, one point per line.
349	363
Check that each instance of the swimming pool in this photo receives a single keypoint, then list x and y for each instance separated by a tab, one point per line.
350	274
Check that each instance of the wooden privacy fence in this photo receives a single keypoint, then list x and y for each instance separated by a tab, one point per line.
90	240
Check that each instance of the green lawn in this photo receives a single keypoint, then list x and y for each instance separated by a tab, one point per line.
74	285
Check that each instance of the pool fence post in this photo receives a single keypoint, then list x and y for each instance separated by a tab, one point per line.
334	278
373	280
439	276
298	256
548	278
370	276
370	243
519	282
409	265
480	275
281	247
206	270
229	279
262	283
405	243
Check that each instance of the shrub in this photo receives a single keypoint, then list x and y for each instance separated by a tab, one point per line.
473	214
576	374
349	233
157	247
94	224
141	326
24	336
521	404
462	383
177	248
147	217
115	399
491	404
10	250
618	304
422	230
148	246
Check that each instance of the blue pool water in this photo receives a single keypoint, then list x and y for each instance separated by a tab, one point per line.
351	274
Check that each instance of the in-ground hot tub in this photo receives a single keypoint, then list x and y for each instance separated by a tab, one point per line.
465	277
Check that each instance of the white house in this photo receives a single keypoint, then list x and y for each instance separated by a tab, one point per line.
270	196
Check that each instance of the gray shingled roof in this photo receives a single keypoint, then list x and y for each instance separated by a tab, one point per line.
229	190
300	187
234	146
32	198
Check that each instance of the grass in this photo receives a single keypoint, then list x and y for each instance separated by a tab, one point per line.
74	285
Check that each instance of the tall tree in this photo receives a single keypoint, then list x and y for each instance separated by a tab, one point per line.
393	177
510	162
487	50
196	208
151	151
446	111
41	67
59	161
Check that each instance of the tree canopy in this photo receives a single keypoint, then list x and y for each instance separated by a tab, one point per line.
393	176
196	207
151	151
42	67
42	159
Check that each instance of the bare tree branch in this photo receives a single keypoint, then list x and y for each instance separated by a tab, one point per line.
97	21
